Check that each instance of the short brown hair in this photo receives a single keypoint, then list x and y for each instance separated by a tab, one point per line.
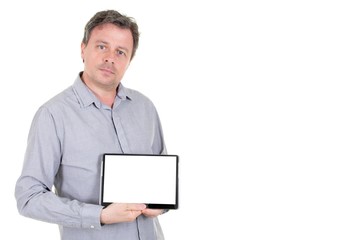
114	17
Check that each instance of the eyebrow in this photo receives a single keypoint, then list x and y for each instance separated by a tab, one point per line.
106	43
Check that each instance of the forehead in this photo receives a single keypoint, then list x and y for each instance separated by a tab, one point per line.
111	33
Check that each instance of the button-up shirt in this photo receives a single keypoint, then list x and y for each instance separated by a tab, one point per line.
68	136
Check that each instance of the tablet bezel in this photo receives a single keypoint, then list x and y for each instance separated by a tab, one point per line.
149	205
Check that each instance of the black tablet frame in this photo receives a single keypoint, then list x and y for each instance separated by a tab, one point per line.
149	205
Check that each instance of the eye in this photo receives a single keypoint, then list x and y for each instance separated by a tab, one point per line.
119	52
101	47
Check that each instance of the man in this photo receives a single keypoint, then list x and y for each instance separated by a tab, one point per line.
69	134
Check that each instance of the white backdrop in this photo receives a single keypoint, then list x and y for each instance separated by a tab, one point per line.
259	98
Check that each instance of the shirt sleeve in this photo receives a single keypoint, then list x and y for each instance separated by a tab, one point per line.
33	188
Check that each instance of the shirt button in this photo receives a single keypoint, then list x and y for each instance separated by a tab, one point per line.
92	226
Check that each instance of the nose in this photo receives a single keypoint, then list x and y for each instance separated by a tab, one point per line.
109	58
109	61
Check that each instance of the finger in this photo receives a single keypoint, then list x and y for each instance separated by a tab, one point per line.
152	212
135	207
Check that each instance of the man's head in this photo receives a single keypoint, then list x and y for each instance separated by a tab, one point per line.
109	44
113	17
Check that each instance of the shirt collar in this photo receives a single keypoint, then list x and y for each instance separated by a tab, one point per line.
124	93
86	97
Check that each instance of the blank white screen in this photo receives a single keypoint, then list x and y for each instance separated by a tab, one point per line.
140	179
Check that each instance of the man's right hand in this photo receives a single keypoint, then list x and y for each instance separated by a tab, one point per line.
121	212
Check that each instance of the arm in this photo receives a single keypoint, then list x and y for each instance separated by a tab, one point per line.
33	189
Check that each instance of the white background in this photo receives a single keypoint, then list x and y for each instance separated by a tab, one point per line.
259	98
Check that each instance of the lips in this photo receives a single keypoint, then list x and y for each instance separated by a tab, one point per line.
107	70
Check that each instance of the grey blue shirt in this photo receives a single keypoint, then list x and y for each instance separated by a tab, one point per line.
67	138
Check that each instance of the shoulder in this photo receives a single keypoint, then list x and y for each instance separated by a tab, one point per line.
59	102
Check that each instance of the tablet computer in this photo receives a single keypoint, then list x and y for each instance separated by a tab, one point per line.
140	178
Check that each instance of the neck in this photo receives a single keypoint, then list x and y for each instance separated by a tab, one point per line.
107	98
105	94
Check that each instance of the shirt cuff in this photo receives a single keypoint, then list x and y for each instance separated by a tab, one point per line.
90	217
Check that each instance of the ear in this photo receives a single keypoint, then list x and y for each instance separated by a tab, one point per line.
83	46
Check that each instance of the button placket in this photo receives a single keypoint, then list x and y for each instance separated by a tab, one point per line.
120	132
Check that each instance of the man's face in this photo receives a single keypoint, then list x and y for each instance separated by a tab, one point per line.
106	56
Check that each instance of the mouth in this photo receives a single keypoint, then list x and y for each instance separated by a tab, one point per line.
107	70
